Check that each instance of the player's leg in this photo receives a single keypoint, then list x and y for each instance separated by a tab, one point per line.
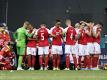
29	51
58	62
95	59
90	48
33	58
73	52
40	53
67	59
87	62
80	54
79	61
46	52
54	56
20	58
59	53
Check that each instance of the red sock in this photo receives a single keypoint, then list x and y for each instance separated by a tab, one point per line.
88	61
95	62
46	60
33	61
41	61
58	61
29	61
67	61
75	62
85	62
79	60
54	61
23	59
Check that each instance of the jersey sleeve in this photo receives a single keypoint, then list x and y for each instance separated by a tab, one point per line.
15	35
62	29
51	30
48	31
28	34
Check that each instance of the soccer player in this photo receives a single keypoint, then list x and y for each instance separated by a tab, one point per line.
90	47
31	49
82	42
43	46
96	41
57	39
20	37
70	42
77	28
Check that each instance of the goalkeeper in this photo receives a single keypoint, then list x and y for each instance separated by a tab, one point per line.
20	38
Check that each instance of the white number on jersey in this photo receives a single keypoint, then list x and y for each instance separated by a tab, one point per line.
42	36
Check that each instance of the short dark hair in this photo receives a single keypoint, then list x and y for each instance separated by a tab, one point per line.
100	23
43	25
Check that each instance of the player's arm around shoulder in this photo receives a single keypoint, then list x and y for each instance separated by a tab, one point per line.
30	34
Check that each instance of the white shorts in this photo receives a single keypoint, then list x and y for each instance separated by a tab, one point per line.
83	50
97	49
57	49
70	49
90	48
43	50
31	51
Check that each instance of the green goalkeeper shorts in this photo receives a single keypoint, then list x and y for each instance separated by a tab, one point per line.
21	50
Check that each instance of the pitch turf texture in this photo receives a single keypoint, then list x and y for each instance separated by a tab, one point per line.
53	75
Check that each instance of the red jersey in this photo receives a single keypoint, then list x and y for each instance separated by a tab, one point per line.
6	37
1	39
96	30
70	35
83	37
89	38
57	32
43	35
31	42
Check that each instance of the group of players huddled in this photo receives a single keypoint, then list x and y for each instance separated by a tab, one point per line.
81	45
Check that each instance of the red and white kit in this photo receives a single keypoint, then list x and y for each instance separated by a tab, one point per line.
70	47
31	46
96	41
82	42
90	46
57	40
43	35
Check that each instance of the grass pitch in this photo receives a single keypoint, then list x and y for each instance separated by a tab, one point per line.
53	75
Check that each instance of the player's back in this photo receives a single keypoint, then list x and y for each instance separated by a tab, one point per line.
43	35
70	35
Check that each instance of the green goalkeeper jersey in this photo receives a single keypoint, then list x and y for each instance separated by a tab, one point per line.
20	36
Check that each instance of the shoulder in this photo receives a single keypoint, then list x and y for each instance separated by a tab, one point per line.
65	30
52	28
61	28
